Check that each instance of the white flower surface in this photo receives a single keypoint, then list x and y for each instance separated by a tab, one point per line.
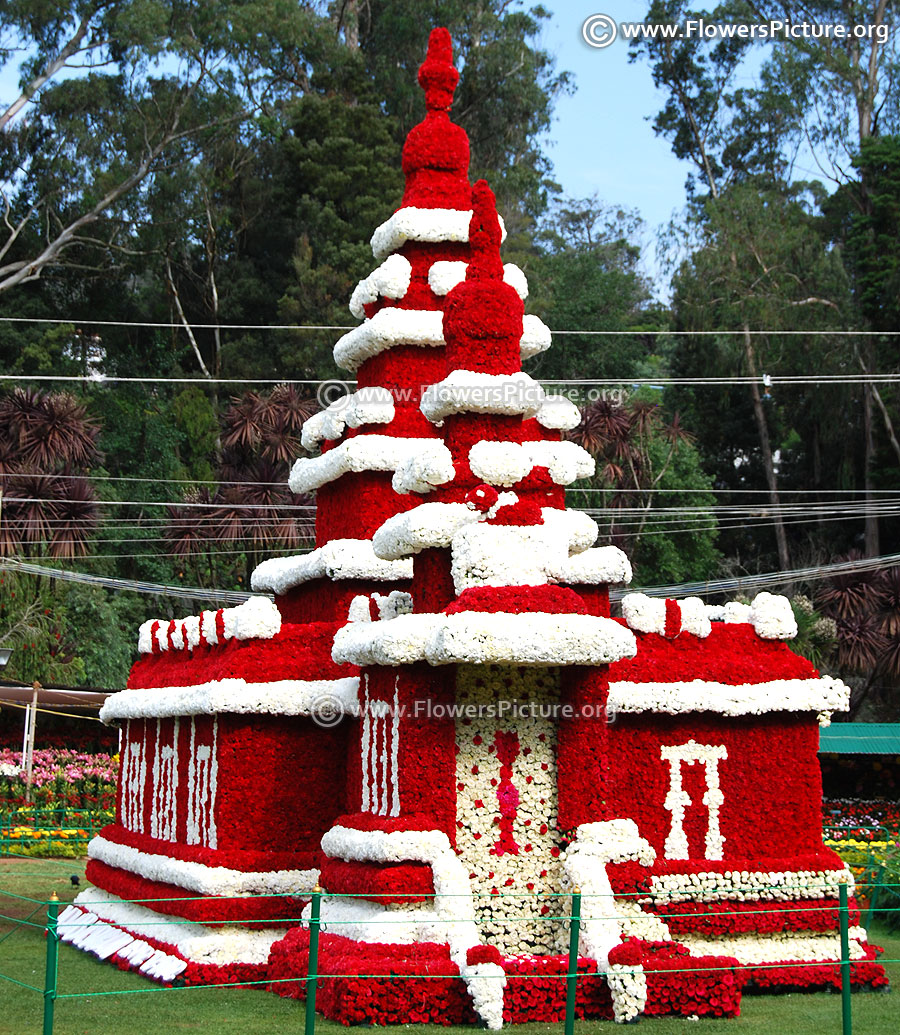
772	617
361	453
425	470
390	280
373	405
825	694
337	559
471	391
256	619
437	225
232	696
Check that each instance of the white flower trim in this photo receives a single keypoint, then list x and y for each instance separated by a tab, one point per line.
748	886
558	414
435	225
86	931
471	391
598	566
391	280
777	947
825	694
535	336
603	924
256	619
477	637
449	920
388	328
575	527
772	617
193	941
337	559
425	470
444	275
233	697
505	463
425	327
429	525
361	453
648	614
678	800
366	406
734	612
204	880
615	841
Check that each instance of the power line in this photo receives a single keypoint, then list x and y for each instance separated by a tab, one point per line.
776	380
740	584
743	584
172	325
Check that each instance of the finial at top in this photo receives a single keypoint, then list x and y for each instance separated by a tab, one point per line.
437	76
484	235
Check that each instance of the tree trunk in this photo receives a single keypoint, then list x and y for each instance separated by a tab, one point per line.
765	446
871	541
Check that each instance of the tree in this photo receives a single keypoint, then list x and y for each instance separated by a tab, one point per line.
586	276
146	83
47	446
643	458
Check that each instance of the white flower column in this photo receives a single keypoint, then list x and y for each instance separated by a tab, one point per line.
506	803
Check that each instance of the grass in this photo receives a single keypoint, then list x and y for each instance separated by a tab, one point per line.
145	1009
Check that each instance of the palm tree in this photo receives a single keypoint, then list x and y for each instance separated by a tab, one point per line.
47	447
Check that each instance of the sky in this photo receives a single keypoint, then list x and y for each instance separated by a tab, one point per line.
602	140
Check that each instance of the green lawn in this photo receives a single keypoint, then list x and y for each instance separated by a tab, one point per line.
146	1009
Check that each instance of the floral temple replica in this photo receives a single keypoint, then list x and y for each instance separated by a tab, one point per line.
438	721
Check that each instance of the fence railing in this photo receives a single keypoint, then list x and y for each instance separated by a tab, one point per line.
569	910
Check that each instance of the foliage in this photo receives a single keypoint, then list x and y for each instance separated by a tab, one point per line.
646	461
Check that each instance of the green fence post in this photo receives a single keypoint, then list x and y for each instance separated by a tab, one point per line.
50	974
873	896
844	912
572	971
313	966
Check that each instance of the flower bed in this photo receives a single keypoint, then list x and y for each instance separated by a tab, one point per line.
62	779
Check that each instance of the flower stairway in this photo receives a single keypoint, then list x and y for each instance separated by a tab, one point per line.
421	721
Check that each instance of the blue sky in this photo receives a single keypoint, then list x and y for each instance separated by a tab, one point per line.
602	139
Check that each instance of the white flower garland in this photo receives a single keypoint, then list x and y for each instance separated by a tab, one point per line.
477	637
256	619
361	453
772	617
391	279
194	876
679	697
558	413
677	799
505	463
471	391
366	406
754	949
504	555
535	336
648	614
388	328
422	472
444	275
748	886
337	559
437	225
233	696
600	565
